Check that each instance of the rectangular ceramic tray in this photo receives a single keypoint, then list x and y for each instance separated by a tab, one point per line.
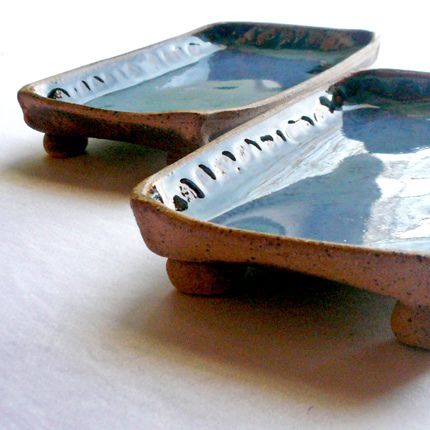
335	183
178	94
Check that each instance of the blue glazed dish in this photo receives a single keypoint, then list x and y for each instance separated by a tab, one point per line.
334	184
183	92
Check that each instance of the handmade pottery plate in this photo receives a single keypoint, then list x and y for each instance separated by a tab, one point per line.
180	93
335	183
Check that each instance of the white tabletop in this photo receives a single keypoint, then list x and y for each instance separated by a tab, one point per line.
92	334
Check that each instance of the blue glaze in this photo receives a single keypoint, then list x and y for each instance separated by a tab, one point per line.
378	196
228	78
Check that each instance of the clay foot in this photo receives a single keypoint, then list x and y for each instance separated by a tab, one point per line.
64	146
204	278
411	325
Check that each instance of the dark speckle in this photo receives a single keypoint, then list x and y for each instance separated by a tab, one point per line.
58	93
194	187
228	154
180	203
308	120
266	138
226	87
253	143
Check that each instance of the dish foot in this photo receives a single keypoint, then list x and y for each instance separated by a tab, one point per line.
411	325
64	146
203	278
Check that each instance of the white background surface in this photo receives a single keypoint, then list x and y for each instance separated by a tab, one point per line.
93	336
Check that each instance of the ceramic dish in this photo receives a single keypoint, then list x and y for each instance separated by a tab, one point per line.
180	93
334	184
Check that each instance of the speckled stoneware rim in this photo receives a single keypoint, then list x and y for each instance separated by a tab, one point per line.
397	273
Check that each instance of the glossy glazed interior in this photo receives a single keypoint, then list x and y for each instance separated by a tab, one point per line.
218	67
378	194
350	165
228	77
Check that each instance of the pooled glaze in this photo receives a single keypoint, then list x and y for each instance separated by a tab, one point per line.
226	78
